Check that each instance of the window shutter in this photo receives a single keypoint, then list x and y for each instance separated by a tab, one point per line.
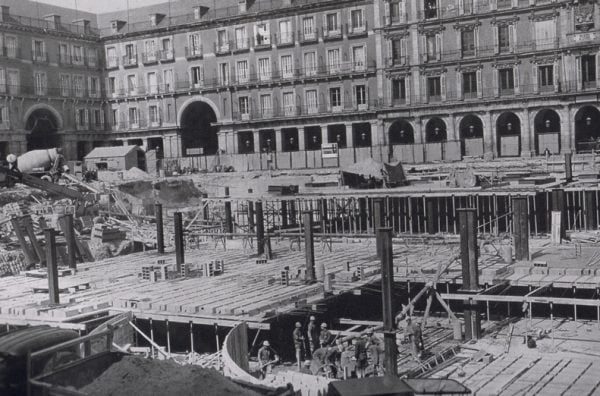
516	77
461	7
403	52
479	84
534	77
390	52
515	3
87	117
403	15
512	37
459	90
33	49
1	42
89	84
424	51
555	75
2	81
407	88
493	5
77	120
476	39
443	86
496	82
388	17
424	91
324	27
5	114
438	43
597	67
496	39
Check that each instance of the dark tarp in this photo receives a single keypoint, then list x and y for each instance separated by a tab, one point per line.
373	174
376	386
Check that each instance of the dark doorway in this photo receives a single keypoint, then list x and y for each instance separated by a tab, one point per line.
508	130
198	135
471	135
290	139
312	138
547	132
401	132
266	139
157	145
245	142
337	134
361	134
43	126
435	131
587	129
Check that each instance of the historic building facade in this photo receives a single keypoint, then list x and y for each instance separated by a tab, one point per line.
413	80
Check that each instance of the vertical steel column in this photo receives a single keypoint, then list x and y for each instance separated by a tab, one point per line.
30	255
430	215
160	233
591	222
284	214
228	219
323	212
309	248
362	214
260	228
384	237
558	205
568	167
378	222
251	223
52	265
470	271
179	253
520	208
69	232
27	226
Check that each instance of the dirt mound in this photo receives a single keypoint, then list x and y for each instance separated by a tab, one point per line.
138	376
171	193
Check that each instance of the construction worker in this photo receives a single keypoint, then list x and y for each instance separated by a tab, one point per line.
312	332
375	349
323	362
325	336
360	356
298	342
414	336
267	357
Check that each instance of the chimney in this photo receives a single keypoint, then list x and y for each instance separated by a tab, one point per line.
244	5
53	21
199	12
5	14
84	23
116	25
155	19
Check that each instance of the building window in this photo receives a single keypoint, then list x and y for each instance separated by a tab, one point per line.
92	57
397	53
11	44
168	80
224	73
432	46
546	77
111	57
133	117
132	84
115	117
264	69
65	85
588	71
430	7
150	50
360	95
195	45
545	34
39	51
310	63
507	81
152	83
263	37
398	90
40	83
98	119
242	71
286	36
395	14
94	87
266	105
166	49
434	88
63	54
197	75
13	81
469	84
222	42
112	85
467	38
289	107
358	58
244	104
308	28
130	53
286	66
333	60
78	85
332	22
504	38
241	38
77	55
82	118
311	101
335	98
356	19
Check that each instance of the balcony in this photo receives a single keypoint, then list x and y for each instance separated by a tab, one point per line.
64	60
193	52
285	40
78	60
130	60
149	58
166	56
397	61
39	57
358	30
396	19
503	4
308	37
112	63
241	45
263	42
333	34
223	48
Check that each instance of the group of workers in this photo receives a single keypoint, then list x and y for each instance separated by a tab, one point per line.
332	356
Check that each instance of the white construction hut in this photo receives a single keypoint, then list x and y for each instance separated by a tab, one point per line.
118	158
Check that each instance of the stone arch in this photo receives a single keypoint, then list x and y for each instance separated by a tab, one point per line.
508	134
198	133
546	125
42	123
44	106
470	129
401	132
197	98
587	128
435	131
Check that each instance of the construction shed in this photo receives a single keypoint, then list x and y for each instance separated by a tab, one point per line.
118	158
373	174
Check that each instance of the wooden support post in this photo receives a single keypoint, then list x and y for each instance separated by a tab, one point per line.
284	215
69	231
151	337
52	265
378	222
228	219
30	255
160	234
470	271
591	207
260	228
27	225
431	215
521	227
384	235
558	205
309	249
293	216
251	223
323	213
192	337
362	214
168	336
205	211
179	247
568	167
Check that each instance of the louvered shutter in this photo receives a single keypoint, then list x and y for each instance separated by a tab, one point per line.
459	90
496	82
438	39
479	84
388	16
443	86
555	75
517	78
496	39
578	71
408	88
534	78
403	51
512	37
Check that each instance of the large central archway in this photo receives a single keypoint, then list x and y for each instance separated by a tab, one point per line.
43	126
401	132
587	129
547	132
508	131
471	135
198	134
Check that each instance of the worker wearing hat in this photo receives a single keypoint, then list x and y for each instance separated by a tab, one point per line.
325	337
312	332
267	357
298	343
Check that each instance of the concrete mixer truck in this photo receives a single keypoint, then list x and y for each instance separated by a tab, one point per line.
46	164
